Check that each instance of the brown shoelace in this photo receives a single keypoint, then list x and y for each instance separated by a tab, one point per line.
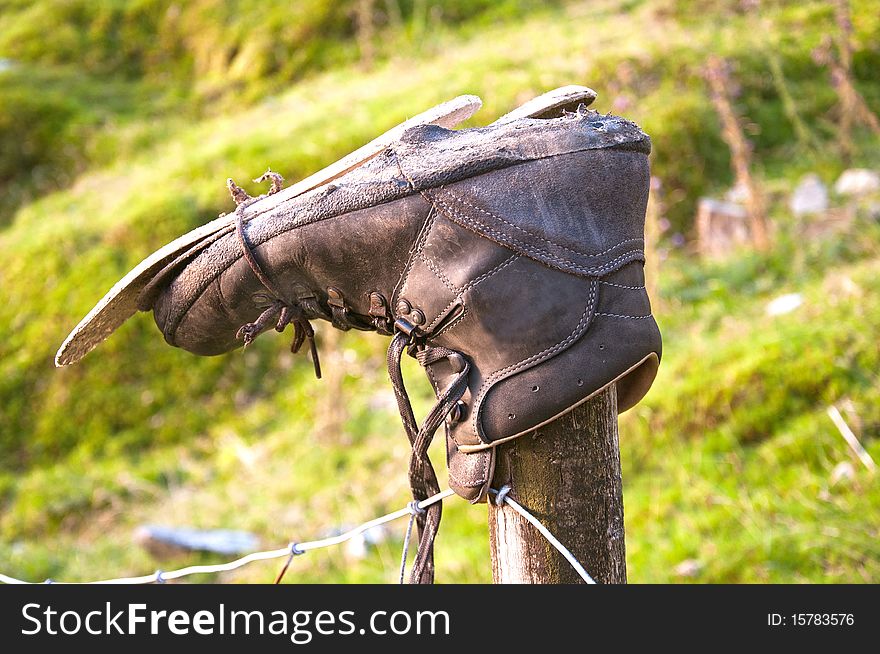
422	477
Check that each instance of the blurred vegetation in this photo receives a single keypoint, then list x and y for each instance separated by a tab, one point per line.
116	135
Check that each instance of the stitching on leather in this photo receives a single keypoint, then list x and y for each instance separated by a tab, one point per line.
487	275
461	482
297	223
439	317
618	315
461	291
528	233
439	273
631	288
432	213
505	372
565	264
423	237
534	249
429	223
571	337
455	322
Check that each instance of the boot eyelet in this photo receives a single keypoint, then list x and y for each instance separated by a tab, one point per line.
457	362
334	297
456	414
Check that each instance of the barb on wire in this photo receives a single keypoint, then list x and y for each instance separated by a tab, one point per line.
502	498
294	550
415	511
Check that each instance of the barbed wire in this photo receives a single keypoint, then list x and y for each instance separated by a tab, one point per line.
294	549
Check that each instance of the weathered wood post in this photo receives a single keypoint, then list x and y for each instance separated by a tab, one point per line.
569	478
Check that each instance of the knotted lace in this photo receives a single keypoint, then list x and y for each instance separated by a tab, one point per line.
299	313
422	478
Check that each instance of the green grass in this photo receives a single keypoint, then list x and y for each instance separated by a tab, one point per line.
730	460
727	463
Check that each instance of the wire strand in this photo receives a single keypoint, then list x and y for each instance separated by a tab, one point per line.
292	549
259	556
503	498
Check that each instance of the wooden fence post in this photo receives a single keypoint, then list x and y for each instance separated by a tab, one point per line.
569	478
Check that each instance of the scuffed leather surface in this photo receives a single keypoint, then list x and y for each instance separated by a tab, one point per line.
469	474
610	344
568	228
521	265
203	308
520	245
432	156
382	180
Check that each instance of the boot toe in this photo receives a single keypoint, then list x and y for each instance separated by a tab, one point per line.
198	322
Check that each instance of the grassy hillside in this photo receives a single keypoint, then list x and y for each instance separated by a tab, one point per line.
728	464
93	93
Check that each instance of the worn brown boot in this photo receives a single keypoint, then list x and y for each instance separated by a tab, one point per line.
507	259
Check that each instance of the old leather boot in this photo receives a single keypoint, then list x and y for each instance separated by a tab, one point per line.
507	259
